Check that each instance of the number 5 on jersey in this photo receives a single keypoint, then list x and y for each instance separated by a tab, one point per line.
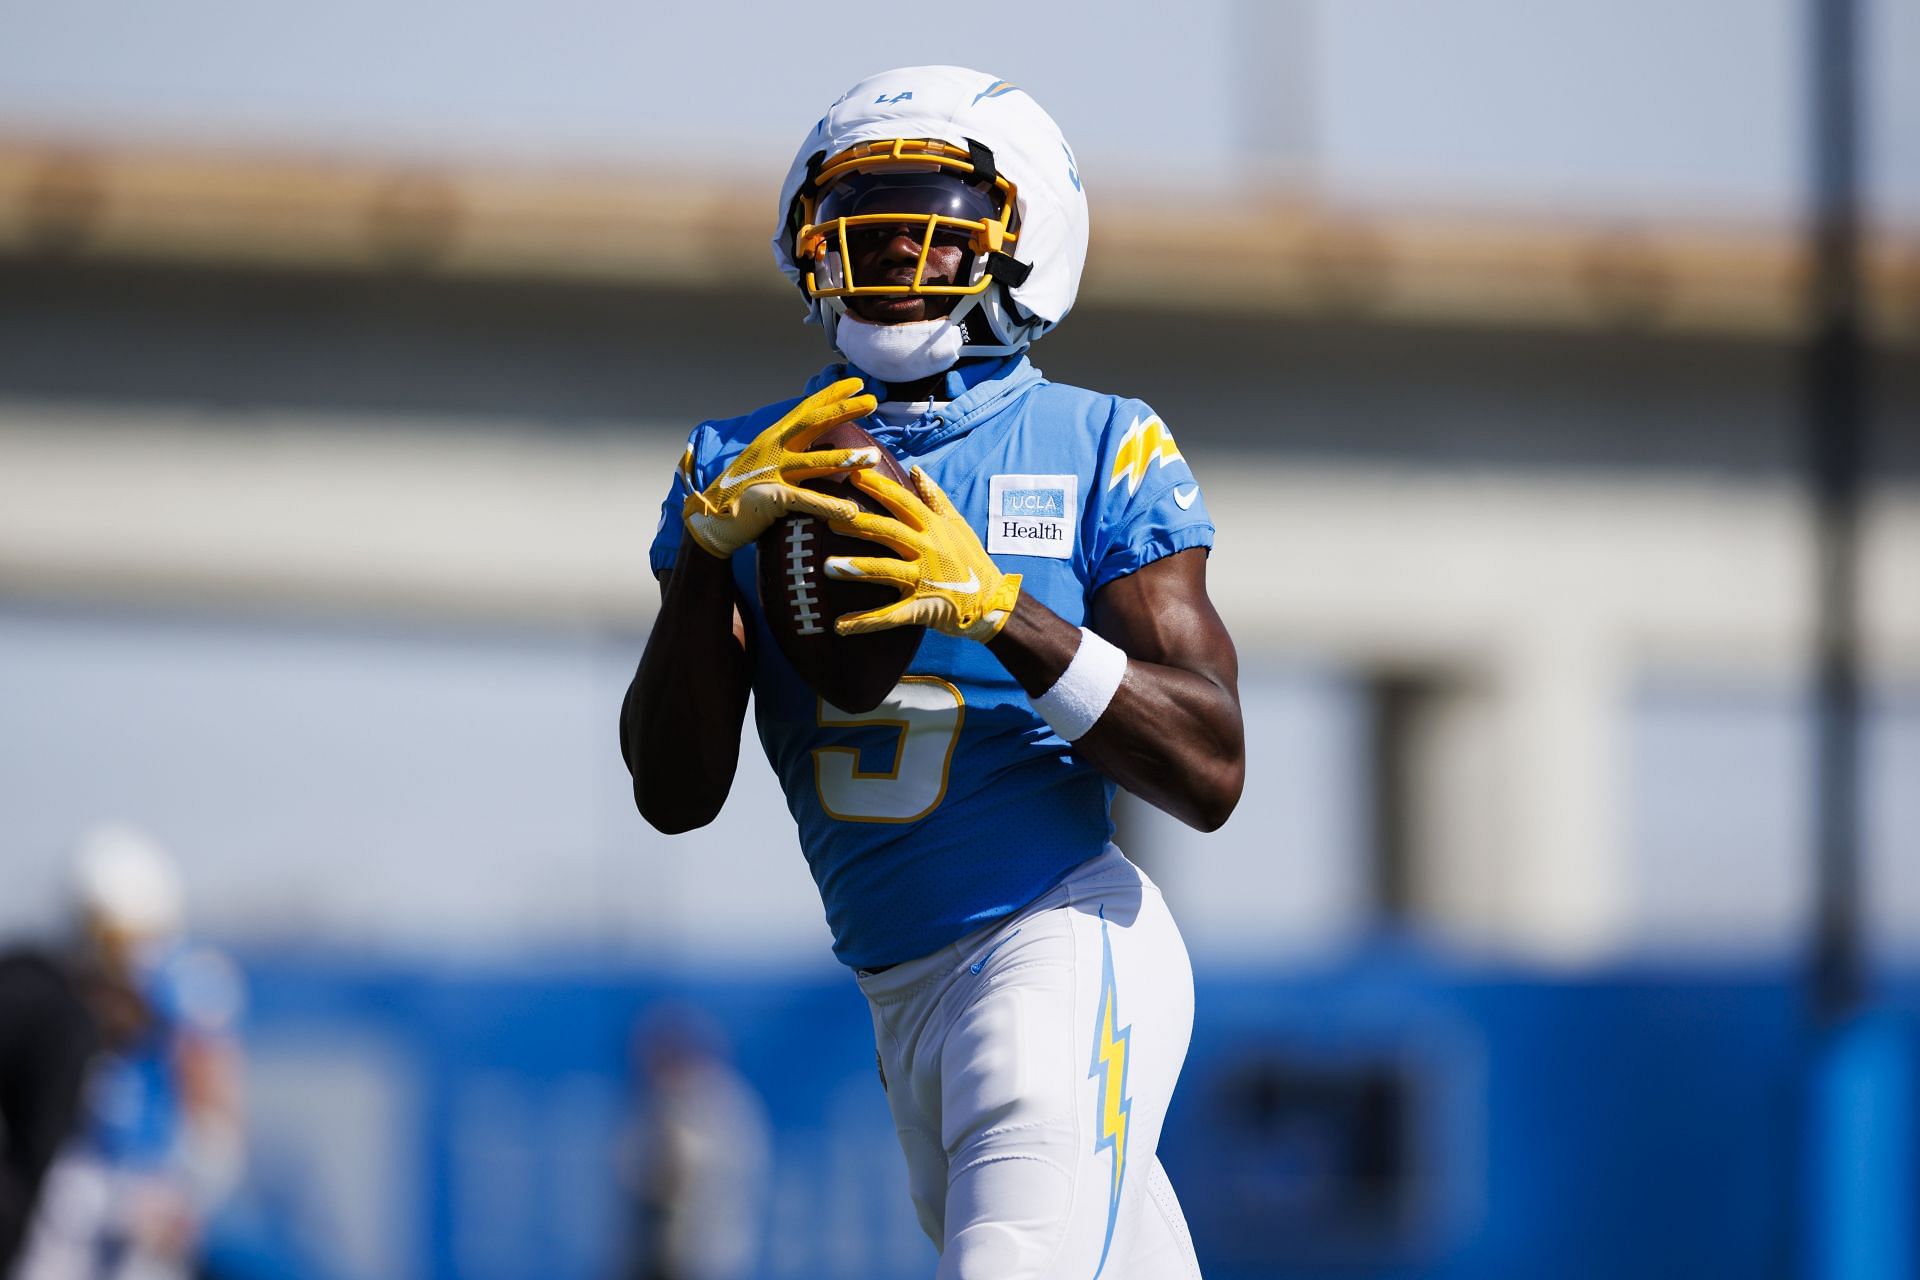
926	712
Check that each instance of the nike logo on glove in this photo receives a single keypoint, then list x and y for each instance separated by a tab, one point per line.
971	584
1185	500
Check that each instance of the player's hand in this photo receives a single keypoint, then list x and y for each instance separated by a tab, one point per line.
762	484
946	579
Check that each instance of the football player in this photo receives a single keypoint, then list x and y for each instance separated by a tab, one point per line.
161	1139
1032	999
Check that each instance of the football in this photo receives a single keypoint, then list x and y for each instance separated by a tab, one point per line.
801	603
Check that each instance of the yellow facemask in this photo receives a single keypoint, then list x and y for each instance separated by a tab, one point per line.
929	190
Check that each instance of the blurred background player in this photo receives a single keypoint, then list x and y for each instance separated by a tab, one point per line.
159	1139
1032	1000
47	1036
696	1156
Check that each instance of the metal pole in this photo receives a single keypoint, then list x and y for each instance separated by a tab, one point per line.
1836	424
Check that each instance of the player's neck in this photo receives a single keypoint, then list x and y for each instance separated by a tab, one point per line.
928	388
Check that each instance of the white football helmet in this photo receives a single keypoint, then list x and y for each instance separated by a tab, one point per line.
971	155
126	885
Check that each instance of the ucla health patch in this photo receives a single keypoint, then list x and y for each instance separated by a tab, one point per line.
1032	515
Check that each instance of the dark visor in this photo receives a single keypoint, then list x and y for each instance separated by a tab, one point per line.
918	193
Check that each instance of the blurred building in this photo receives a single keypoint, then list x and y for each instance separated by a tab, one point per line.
333	428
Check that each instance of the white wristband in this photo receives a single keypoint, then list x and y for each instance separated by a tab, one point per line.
1081	694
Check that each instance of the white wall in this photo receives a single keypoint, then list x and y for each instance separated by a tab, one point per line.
365	681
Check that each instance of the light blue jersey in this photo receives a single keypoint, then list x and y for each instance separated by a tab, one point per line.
953	804
136	1103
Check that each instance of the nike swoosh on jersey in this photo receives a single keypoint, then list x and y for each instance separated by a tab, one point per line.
1185	500
971	584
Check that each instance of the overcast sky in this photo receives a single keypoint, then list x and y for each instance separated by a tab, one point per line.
1616	107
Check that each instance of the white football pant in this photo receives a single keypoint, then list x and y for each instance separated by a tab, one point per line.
1028	1067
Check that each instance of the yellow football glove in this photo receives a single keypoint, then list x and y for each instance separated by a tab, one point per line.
762	484
947	582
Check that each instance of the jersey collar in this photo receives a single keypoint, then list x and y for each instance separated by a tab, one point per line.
975	389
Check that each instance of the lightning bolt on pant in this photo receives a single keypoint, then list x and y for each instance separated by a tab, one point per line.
1028	1068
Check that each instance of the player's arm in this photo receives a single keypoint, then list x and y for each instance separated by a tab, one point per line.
211	1071
1172	732
1163	715
680	722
